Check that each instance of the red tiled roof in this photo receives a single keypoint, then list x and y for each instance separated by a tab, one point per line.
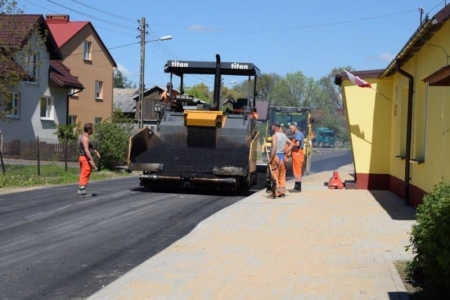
61	77
63	32
15	30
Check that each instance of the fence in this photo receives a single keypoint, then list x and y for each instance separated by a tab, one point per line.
38	152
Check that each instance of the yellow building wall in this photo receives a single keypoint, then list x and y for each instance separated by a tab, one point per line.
369	122
85	106
431	116
378	127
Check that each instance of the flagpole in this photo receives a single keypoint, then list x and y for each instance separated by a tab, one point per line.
382	94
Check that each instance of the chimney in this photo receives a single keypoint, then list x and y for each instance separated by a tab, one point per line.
57	19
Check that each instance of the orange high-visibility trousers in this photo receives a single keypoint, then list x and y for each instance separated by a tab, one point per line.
298	158
85	170
278	176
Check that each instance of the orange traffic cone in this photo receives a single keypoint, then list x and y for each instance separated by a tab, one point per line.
335	181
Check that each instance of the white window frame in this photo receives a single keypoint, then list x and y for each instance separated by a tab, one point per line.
32	67
98	89
72	120
49	108
87	50
14	106
98	120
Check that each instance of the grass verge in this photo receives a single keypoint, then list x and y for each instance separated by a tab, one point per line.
26	175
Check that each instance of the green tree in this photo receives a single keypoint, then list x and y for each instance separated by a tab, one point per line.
200	91
266	84
121	81
111	139
293	90
329	108
68	132
16	59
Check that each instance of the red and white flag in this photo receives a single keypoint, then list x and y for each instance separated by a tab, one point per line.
358	81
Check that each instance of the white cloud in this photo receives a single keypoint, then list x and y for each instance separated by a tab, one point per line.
199	28
124	70
386	57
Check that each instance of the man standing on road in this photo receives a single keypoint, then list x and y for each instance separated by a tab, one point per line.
276	160
86	160
298	156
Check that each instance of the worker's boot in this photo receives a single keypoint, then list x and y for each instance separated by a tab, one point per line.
81	190
297	188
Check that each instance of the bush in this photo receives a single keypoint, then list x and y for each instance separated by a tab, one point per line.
430	240
111	140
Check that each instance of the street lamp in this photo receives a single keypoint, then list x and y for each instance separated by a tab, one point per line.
163	38
141	81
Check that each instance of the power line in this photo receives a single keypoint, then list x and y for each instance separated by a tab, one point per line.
105	12
104	28
291	28
95	18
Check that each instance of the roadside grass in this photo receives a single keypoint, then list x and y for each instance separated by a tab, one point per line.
26	175
415	288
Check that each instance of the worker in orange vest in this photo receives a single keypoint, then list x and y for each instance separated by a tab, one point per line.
298	156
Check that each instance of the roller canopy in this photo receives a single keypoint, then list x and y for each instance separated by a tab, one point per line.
179	67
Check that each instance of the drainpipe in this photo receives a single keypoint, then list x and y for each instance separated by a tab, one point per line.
408	128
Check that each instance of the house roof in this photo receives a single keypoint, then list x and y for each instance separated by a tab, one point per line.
149	91
60	76
361	74
424	33
124	99
64	30
16	37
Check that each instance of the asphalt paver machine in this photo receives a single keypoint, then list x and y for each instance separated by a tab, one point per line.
197	145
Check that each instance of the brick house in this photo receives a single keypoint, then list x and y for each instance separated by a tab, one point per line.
86	55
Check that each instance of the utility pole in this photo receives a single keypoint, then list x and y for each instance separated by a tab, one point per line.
141	80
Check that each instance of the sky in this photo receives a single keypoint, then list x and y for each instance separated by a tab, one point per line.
278	36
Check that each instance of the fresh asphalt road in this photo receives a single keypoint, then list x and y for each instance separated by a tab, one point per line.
54	245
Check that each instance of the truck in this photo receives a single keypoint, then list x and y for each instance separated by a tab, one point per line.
199	145
285	115
324	137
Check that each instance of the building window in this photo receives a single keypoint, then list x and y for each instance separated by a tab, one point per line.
72	120
98	89
97	120
403	119
32	66
87	50
13	106
47	108
420	130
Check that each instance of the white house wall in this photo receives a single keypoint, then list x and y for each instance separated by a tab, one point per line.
29	124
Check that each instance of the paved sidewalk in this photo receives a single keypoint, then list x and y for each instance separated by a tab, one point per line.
319	244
